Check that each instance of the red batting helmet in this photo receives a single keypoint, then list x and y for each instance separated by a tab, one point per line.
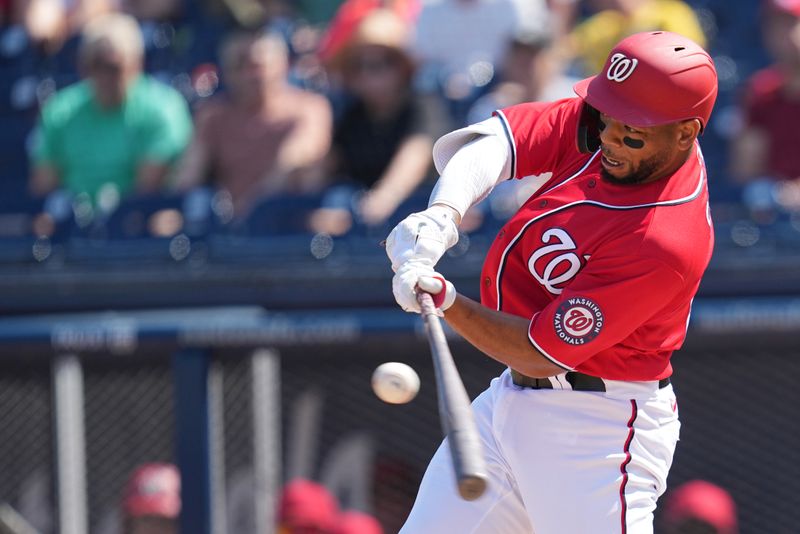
306	504
699	499
791	7
153	490
653	78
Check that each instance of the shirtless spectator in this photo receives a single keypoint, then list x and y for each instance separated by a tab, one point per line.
267	137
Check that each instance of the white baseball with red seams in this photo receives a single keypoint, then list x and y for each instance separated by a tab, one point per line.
395	383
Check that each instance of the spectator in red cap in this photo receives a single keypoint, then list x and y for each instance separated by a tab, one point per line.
350	14
354	522
306	508
700	507
152	501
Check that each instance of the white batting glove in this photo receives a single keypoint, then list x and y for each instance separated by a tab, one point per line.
415	276
422	237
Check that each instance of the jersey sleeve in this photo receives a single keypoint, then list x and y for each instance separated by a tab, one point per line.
605	304
542	134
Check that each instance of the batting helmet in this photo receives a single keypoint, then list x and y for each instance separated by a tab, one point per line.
791	7
653	78
153	490
306	504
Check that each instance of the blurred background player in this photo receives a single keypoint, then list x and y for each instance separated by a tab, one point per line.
355	522
699	507
152	501
306	507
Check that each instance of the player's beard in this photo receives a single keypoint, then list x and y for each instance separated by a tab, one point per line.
641	173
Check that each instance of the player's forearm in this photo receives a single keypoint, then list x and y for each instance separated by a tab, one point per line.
502	336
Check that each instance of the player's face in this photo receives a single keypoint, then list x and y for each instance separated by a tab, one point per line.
636	155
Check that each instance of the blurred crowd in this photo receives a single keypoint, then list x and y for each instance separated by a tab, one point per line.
156	118
151	504
277	116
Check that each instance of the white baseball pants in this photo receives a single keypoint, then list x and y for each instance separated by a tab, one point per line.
560	462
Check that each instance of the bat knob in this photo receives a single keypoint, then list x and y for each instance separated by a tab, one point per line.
471	487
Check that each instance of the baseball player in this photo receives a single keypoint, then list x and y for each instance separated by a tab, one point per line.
585	293
152	502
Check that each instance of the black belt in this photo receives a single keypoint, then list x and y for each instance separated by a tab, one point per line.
578	381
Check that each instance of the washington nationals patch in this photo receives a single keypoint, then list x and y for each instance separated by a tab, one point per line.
578	320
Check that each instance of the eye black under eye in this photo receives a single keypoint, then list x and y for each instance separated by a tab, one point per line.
633	143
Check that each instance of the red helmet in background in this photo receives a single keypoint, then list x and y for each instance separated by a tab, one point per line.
354	522
153	490
791	7
653	78
699	499
307	504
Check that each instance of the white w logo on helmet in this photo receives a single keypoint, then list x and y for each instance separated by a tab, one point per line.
620	67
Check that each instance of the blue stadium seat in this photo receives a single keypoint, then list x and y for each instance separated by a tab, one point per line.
276	216
133	217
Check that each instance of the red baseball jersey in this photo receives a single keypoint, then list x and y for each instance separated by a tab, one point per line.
606	272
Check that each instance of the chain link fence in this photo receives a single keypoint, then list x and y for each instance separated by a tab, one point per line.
737	410
26	440
129	417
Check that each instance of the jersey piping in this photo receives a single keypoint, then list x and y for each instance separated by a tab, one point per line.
510	138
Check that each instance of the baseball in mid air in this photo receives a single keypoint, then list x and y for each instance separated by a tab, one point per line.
395	382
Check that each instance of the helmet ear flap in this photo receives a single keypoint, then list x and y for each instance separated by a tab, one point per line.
589	130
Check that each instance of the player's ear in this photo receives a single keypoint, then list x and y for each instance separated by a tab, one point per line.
687	132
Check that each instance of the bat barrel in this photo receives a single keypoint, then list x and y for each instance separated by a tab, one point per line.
455	411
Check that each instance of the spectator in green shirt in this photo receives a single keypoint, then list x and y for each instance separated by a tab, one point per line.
117	128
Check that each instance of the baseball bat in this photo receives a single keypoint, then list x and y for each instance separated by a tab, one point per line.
455	412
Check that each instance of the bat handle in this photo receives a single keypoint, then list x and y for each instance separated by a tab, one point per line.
425	301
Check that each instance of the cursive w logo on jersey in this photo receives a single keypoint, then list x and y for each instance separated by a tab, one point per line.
555	263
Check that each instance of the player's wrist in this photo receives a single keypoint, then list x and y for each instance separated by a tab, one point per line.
445	219
446	211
